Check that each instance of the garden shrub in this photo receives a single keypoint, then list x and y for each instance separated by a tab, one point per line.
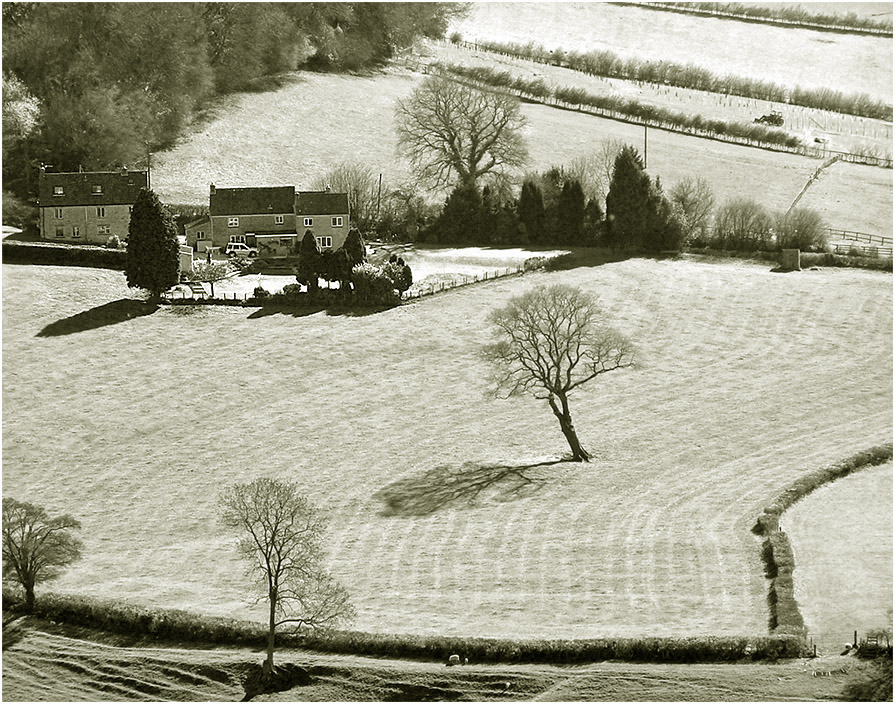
113	242
373	286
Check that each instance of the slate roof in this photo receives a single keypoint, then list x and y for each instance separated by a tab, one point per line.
251	201
321	203
118	188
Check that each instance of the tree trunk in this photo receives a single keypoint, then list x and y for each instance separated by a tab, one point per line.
579	454
271	636
29	597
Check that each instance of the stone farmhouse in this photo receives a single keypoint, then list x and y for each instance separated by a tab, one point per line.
272	218
87	207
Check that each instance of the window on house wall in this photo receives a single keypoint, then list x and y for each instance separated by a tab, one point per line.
238	238
58	213
278	219
200	235
233	222
100	212
324	242
97	189
76	231
58	191
337	222
60	231
130	210
309	222
104	230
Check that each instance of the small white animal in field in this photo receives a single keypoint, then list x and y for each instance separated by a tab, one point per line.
453	660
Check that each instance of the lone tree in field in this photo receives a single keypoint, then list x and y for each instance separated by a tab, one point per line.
549	342
450	131
152	249
282	534
36	547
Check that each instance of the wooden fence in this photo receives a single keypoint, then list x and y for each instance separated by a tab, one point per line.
429	289
861	250
413	292
850	236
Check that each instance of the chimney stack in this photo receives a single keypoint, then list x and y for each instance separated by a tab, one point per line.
211	189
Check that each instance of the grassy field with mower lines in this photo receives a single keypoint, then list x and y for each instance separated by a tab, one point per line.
745	379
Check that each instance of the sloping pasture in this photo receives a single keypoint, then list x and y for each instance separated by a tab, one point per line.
843	132
746	378
297	133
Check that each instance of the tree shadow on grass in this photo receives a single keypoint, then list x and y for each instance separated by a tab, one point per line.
449	486
106	314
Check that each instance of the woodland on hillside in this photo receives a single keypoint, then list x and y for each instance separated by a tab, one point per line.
98	85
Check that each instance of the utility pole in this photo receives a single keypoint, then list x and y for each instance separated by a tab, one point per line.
148	167
379	196
644	145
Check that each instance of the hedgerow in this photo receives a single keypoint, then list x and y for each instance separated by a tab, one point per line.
784	617
613	106
609	65
791	14
560	651
173	625
63	254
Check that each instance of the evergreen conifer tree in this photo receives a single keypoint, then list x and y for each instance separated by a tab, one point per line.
152	250
309	262
570	212
531	211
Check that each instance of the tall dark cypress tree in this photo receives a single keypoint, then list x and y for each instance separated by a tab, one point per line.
309	262
152	249
571	213
627	201
531	211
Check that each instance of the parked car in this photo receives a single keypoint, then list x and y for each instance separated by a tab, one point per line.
240	249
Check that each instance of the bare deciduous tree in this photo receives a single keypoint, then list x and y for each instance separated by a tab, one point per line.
550	341
210	272
35	546
693	202
448	129
282	536
362	187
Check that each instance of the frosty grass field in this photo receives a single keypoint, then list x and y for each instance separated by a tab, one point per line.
746	378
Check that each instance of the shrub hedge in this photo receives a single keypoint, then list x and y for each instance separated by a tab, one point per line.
134	621
174	625
607	64
63	254
614	105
